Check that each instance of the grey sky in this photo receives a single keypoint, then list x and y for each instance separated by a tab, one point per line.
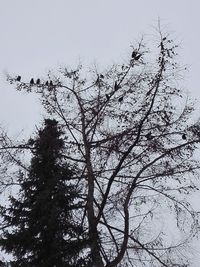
40	34
37	35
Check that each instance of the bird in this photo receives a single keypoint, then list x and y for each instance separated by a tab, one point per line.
18	78
134	54
184	136
107	97
31	142
47	83
149	136
32	81
116	87
51	83
120	99
101	76
97	80
94	111
138	57
38	81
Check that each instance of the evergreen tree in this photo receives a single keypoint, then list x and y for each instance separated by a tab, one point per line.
43	231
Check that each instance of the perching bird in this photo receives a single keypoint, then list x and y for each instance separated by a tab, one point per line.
107	97
94	111
138	57
32	81
18	78
184	136
51	83
134	54
31	142
47	83
149	136
101	76
38	81
116	87
120	99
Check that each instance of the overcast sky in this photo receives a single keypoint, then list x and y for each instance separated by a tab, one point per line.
40	34
37	35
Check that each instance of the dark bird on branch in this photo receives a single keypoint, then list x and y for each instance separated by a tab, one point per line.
107	97
120	99
149	136
51	83
94	111
134	54
116	87
32	81
101	76
38	81
47	83
18	78
31	142
184	136
138	57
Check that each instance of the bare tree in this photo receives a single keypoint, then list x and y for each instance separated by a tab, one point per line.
130	135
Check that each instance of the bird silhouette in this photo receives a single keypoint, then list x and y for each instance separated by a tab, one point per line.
38	81
18	78
101	76
47	83
138	57
134	54
107	97
120	99
149	136
32	81
51	83
31	142
184	136
116	87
